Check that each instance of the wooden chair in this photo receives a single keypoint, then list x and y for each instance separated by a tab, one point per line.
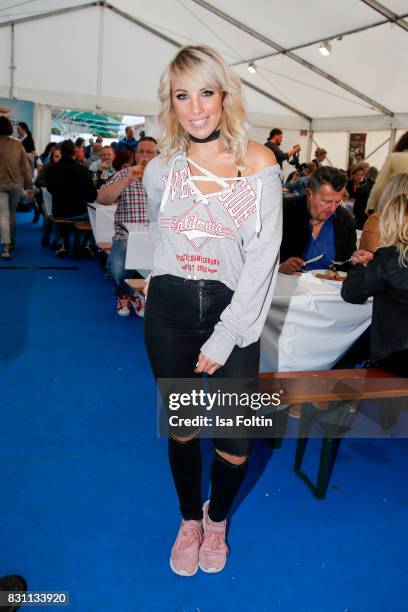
313	390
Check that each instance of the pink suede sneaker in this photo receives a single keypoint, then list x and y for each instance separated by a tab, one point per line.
184	554
213	552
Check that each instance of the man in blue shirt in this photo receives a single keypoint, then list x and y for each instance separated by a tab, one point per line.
317	224
128	143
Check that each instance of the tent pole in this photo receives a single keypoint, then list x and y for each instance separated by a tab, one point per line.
389	15
377	148
316	41
309	147
99	71
393	137
47	14
296	58
178	45
12	66
277	100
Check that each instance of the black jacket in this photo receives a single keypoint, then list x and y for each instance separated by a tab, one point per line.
360	202
296	230
386	280
279	154
350	189
28	144
71	187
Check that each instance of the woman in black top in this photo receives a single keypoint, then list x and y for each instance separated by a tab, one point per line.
355	182
386	279
26	138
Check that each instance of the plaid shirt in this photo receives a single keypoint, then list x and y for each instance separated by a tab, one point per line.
131	205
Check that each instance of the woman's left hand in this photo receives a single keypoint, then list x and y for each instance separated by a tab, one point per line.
205	364
361	256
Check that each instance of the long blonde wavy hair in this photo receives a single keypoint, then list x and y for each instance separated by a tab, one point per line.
199	67
394	216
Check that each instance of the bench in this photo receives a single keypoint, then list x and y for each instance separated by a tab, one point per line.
79	228
313	390
83	226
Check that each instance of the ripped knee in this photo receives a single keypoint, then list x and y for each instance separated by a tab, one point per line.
185	440
234	459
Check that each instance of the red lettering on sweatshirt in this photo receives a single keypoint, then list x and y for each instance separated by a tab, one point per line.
239	201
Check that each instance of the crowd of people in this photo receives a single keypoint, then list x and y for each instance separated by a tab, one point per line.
210	175
71	174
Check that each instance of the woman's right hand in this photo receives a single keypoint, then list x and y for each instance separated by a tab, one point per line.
145	290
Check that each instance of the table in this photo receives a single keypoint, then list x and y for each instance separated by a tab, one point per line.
139	253
309	326
102	220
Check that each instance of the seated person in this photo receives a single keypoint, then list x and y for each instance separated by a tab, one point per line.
356	181
71	187
54	158
293	176
103	168
396	187
95	155
300	183
317	224
79	151
386	279
320	156
126	188
362	195
124	159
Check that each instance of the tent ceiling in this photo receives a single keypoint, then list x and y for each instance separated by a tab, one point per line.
304	90
79	62
383	79
297	23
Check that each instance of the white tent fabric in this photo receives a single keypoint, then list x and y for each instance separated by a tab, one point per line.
110	55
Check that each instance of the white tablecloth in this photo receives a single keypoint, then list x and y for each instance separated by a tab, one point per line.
309	326
139	253
102	219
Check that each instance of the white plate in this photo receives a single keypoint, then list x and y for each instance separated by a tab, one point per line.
332	282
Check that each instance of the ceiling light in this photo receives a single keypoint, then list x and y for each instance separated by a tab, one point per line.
252	68
325	48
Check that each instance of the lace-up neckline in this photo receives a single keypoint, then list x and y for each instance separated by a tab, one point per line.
208	176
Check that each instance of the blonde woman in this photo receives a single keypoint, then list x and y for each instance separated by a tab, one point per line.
214	201
370	238
396	163
386	278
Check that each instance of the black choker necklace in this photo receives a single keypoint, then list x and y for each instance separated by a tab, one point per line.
214	136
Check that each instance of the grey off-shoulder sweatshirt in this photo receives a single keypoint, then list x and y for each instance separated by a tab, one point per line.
232	235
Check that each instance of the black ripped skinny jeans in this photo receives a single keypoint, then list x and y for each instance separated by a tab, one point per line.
180	316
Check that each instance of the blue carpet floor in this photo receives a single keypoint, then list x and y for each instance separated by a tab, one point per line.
87	504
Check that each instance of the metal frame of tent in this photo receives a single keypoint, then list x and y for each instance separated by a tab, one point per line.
385	119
